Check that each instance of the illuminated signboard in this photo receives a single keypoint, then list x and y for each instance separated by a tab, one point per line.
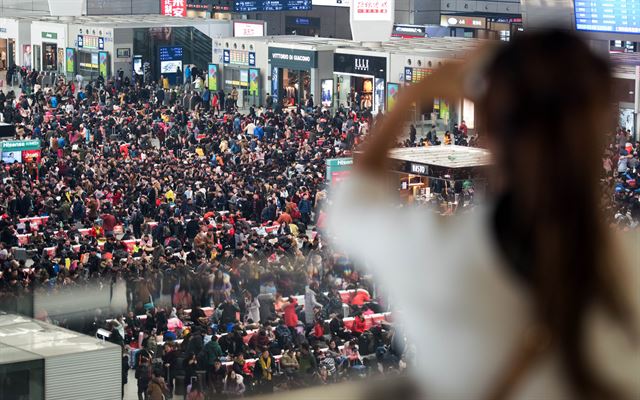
372	10
616	16
173	8
463	22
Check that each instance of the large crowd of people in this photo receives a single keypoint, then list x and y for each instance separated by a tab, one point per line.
621	167
209	224
206	221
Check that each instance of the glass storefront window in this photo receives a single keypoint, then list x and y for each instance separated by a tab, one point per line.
296	86
50	56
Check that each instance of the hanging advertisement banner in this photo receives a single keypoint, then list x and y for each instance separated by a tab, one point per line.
254	84
212	77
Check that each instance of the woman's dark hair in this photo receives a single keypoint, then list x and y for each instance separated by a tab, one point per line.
547	108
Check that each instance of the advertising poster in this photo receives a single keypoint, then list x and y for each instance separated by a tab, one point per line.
338	169
254	77
10	157
275	84
70	56
392	93
31	156
103	63
378	95
26	55
213	77
327	92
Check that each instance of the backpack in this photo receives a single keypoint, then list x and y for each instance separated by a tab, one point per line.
283	335
295	212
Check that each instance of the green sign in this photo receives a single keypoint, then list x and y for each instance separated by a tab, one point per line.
49	35
20	145
338	169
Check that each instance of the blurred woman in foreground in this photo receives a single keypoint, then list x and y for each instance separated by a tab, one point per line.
528	297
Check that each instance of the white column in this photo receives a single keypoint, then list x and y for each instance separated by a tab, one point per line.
637	103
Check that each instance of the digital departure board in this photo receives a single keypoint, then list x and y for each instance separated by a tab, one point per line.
271	5
615	16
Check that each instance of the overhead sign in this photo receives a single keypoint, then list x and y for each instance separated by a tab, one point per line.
172	53
49	35
173	8
463	22
332	3
239	57
292	58
248	29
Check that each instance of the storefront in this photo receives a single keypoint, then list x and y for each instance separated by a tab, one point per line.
360	81
90	51
49	41
236	74
292	80
8	40
442	174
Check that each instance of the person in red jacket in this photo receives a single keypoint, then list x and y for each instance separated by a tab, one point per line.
290	314
109	221
359	325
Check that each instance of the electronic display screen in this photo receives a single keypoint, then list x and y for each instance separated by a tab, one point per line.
271	5
171	53
615	16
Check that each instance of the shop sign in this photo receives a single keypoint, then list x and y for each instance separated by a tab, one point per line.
252	59
226	56
49	35
409	31
361	65
100	43
173	8
292	58
419	169
80	41
463	22
20	145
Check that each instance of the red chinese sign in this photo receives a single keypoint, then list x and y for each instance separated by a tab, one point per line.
174	8
372	10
